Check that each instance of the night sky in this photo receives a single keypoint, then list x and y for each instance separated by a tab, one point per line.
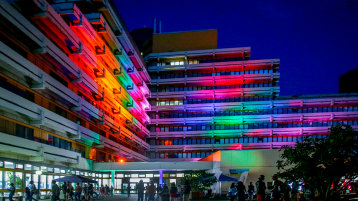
315	40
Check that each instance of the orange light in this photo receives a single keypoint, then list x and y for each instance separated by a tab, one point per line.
121	161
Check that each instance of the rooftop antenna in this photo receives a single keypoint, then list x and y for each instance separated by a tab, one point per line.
160	26
155	26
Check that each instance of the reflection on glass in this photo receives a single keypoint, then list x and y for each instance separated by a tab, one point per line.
18	180
9	176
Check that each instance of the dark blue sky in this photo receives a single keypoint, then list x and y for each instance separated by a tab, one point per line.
316	40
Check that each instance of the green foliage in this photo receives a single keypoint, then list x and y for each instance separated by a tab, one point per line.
322	163
18	180
197	181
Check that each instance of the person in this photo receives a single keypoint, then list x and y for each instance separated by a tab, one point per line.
146	193
164	194
70	190
33	190
28	194
12	191
140	190
101	190
232	192
78	192
286	189
129	190
91	192
64	190
260	188
151	191
276	191
251	190
173	192
112	191
85	191
294	192
55	191
186	190
241	191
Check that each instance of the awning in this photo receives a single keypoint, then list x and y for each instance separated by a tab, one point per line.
75	179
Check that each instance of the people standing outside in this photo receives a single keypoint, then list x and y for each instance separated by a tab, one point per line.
294	192
64	190
78	192
12	191
164	194
146	193
55	191
276	191
28	194
232	192
241	191
85	191
129	190
140	190
173	192
33	190
186	190
261	188
151	191
70	190
250	191
112	191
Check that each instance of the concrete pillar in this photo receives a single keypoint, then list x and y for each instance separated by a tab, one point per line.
113	177
160	177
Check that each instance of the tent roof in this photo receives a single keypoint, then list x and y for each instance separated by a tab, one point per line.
75	178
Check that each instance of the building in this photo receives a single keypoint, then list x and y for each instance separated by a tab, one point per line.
73	91
348	82
78	98
217	99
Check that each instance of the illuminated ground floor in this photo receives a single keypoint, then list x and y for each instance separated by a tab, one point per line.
245	165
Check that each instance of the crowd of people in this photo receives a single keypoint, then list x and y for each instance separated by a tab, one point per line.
152	193
280	191
85	192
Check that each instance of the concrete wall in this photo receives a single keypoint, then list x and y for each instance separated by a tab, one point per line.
185	41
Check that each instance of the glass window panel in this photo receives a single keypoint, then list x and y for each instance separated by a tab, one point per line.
18	180
8	178
149	175
9	164
19	166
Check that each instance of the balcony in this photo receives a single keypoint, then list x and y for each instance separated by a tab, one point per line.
214	53
264	132
36	151
51	22
21	67
237	65
46	47
214	147
220	80
218	93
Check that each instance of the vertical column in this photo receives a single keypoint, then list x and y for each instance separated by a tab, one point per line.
112	178
160	177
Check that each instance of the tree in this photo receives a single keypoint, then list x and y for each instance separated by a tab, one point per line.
322	163
199	180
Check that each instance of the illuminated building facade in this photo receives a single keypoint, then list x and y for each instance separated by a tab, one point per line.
217	99
73	88
76	97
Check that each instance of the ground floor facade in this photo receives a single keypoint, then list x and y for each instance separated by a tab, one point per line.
244	165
